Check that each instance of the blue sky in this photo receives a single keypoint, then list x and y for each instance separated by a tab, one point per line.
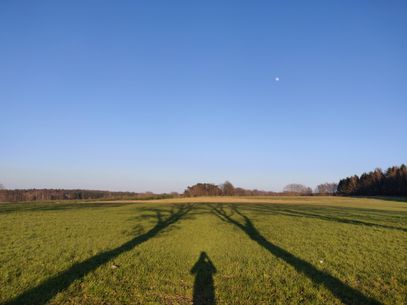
158	95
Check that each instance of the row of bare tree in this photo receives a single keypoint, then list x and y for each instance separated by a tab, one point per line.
227	189
60	194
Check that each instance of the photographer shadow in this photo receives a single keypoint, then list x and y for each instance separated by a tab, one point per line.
204	290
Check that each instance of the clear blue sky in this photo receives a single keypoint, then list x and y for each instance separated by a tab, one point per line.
158	95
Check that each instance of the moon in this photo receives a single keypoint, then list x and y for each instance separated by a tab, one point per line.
277	79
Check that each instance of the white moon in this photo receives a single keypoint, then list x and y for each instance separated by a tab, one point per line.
277	79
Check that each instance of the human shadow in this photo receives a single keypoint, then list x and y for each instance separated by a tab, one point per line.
45	291
342	291
204	290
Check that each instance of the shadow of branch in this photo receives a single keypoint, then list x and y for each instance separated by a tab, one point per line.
342	291
45	291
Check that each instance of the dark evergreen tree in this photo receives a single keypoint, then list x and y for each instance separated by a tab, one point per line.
392	183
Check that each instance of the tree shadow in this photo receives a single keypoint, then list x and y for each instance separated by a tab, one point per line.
204	290
387	198
45	291
19	207
343	220
342	291
312	212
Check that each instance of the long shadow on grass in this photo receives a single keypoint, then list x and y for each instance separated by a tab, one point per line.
313	214
45	291
204	290
342	291
343	220
6	208
387	198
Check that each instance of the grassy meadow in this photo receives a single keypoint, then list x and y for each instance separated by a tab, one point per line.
278	250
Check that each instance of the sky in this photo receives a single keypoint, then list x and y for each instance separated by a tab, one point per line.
159	95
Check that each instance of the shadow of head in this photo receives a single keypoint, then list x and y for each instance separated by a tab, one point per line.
204	265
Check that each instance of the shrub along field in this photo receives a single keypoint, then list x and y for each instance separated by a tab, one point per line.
278	250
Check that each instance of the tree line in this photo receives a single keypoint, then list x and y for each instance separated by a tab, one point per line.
199	189
225	189
61	194
392	182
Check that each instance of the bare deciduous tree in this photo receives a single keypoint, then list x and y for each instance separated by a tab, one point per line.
326	188
227	189
203	189
297	188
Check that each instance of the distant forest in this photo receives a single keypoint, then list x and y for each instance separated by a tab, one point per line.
392	182
60	194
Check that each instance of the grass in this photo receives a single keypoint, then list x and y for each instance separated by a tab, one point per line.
277	250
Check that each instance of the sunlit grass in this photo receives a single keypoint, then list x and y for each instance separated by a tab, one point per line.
284	250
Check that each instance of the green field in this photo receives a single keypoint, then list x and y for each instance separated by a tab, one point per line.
280	250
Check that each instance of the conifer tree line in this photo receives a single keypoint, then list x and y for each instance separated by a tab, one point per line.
392	182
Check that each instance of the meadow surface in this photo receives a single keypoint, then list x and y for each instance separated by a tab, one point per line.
278	250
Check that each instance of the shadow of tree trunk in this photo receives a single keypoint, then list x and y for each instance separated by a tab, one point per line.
342	291
45	291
